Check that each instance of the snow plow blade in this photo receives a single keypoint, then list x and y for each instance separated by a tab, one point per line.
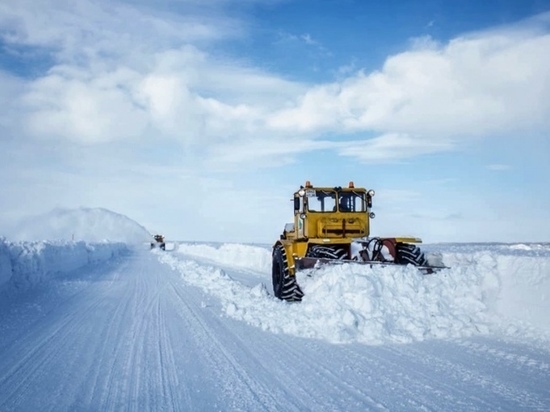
314	263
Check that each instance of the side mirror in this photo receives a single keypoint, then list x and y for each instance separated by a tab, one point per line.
369	202
297	203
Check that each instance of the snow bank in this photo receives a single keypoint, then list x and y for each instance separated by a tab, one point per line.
232	254
521	273
85	224
25	264
488	289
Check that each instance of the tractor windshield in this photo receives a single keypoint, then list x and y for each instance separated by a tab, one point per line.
321	200
329	201
351	202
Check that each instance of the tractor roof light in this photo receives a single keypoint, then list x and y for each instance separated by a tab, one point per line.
370	193
351	185
308	183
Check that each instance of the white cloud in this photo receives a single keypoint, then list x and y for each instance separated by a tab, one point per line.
257	153
105	26
122	72
87	109
472	86
308	39
11	88
498	167
486	84
393	146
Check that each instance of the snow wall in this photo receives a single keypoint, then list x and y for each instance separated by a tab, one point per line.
514	279
24	264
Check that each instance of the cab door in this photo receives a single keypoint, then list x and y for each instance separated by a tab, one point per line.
299	220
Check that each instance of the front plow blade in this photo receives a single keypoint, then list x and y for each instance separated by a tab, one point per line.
314	263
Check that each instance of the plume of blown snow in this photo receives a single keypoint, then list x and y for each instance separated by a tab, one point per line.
82	224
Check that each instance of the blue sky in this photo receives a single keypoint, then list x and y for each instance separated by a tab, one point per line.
199	119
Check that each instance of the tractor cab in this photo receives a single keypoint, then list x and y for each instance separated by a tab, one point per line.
323	212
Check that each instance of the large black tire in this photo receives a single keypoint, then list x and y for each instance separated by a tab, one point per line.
326	252
285	286
410	254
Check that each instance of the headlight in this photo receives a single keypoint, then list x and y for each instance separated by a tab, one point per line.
370	193
301	192
372	215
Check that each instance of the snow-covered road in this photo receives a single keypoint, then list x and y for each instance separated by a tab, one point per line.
136	333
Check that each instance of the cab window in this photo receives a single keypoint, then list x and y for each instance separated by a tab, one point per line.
351	202
321	201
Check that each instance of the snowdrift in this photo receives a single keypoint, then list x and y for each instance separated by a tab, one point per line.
490	288
515	278
24	264
83	224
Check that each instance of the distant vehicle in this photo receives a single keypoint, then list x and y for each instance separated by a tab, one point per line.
332	225
159	242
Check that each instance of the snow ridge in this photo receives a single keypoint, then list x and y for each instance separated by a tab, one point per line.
25	264
488	289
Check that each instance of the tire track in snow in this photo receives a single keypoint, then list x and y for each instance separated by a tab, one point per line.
45	345
99	377
308	362
477	383
108	347
412	382
114	341
138	359
169	377
113	388
531	363
236	379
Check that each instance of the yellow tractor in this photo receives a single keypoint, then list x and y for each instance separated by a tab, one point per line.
332	225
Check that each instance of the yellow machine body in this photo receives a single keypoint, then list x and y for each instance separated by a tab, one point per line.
328	216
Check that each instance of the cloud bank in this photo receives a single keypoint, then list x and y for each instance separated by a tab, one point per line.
128	73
